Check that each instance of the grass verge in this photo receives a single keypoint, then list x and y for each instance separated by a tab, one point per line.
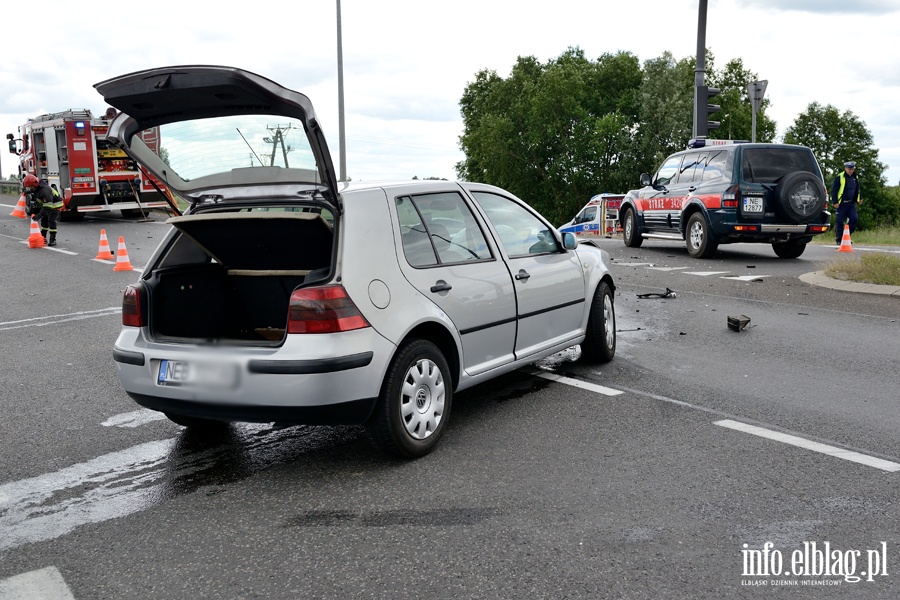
868	267
880	236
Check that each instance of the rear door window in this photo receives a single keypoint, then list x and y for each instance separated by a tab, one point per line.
439	229
716	166
692	167
769	165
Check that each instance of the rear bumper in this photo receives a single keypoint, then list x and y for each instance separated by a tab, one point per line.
312	379
354	412
730	230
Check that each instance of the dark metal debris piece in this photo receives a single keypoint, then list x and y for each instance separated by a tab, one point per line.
738	323
667	294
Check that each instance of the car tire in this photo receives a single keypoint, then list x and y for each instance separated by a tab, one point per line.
630	233
698	238
599	345
801	197
414	404
789	249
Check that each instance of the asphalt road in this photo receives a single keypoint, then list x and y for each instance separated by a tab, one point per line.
642	479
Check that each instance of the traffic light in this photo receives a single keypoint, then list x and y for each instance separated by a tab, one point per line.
703	109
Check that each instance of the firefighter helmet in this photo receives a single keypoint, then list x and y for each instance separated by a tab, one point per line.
30	181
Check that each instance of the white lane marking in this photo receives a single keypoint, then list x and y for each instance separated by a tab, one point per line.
54	319
43	584
584	385
134	419
667	268
638	264
60	250
746	277
113	485
863	459
705	273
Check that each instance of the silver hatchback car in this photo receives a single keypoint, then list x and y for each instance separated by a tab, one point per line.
282	295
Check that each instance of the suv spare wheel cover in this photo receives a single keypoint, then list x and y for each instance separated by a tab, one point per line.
801	196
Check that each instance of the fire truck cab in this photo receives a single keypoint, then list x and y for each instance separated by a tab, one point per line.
69	150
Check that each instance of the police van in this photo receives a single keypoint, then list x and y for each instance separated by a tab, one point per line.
598	218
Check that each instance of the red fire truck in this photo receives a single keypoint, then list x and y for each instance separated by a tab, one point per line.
69	150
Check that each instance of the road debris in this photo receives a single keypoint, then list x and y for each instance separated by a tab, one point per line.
738	323
669	293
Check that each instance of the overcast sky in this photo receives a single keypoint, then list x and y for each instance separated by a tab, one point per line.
406	62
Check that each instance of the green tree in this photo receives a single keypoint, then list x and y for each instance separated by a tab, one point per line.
835	138
736	114
554	134
665	113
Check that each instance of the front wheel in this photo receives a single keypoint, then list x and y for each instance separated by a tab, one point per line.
789	249
599	345
414	404
630	234
699	243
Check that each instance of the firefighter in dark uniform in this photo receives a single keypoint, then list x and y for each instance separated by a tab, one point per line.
46	206
845	196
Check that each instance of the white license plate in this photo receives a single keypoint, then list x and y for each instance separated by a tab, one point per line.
200	374
753	204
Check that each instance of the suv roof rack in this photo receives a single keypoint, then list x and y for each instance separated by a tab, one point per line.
703	142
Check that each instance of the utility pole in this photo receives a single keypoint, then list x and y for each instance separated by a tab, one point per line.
342	152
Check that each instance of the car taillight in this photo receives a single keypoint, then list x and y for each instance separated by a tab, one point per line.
132	307
731	197
323	309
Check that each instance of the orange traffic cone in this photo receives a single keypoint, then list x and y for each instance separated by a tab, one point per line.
845	241
19	210
122	262
35	239
104	252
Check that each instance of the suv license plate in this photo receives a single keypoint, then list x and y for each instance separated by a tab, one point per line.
753	204
198	374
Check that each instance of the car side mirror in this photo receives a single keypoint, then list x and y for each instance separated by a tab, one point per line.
12	146
645	179
569	241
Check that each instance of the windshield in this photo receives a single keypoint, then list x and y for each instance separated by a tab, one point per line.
207	147
769	165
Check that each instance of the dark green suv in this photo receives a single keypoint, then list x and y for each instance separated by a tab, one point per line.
724	191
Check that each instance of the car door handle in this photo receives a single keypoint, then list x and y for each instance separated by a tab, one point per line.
522	275
441	286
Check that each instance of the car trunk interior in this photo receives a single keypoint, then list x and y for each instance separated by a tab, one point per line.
228	277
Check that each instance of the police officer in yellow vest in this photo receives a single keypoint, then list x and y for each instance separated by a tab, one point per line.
47	203
845	196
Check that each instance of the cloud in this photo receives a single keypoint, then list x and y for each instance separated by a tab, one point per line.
866	7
